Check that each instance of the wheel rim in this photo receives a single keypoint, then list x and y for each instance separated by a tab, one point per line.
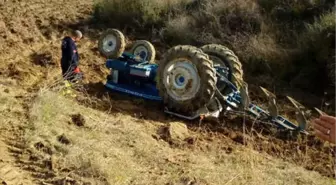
181	80
141	51
109	43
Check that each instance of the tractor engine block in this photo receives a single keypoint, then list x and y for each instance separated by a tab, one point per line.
126	72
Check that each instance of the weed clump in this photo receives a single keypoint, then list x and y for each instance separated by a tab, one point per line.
137	14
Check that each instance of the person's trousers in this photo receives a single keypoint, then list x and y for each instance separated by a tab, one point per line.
69	74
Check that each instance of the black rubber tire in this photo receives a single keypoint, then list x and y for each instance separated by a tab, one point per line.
230	60
150	49
206	73
120	44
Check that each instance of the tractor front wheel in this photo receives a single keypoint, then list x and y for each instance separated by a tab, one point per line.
111	44
144	49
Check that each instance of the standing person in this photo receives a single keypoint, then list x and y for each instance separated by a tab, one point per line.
70	57
325	127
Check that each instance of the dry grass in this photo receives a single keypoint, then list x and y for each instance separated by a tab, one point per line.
139	13
270	37
240	25
115	148
219	19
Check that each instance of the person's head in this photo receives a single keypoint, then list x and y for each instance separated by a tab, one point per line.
76	35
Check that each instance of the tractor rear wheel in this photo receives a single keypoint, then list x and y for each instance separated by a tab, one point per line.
144	49
186	79
224	57
111	44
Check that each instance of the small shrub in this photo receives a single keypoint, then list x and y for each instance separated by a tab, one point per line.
179	30
214	21
319	41
135	13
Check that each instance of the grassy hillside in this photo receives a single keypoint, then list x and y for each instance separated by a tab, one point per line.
78	144
281	43
107	138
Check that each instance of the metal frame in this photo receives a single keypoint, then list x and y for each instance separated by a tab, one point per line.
232	102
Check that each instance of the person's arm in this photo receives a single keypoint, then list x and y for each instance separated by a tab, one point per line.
73	54
325	128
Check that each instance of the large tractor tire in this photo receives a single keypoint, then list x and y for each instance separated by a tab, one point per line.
144	49
111	44
186	79
224	57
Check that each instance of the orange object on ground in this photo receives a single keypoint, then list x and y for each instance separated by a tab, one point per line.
77	70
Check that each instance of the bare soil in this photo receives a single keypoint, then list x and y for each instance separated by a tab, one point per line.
301	150
30	33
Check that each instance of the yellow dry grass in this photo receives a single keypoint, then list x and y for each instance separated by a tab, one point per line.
112	148
121	149
136	12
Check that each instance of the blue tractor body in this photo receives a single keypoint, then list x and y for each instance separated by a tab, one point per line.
134	76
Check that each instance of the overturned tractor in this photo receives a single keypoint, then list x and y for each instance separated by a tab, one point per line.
190	82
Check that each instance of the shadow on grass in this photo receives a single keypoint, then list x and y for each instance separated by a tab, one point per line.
97	96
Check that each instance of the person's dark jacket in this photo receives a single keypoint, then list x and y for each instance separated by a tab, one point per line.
70	56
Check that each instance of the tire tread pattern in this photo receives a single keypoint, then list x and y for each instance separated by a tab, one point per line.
121	44
229	58
206	71
149	46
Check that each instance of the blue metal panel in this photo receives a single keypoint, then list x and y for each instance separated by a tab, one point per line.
147	91
116	65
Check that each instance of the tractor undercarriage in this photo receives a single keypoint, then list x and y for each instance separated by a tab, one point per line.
191	83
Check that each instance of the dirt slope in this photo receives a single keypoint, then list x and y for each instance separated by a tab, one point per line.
30	33
12	118
124	148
